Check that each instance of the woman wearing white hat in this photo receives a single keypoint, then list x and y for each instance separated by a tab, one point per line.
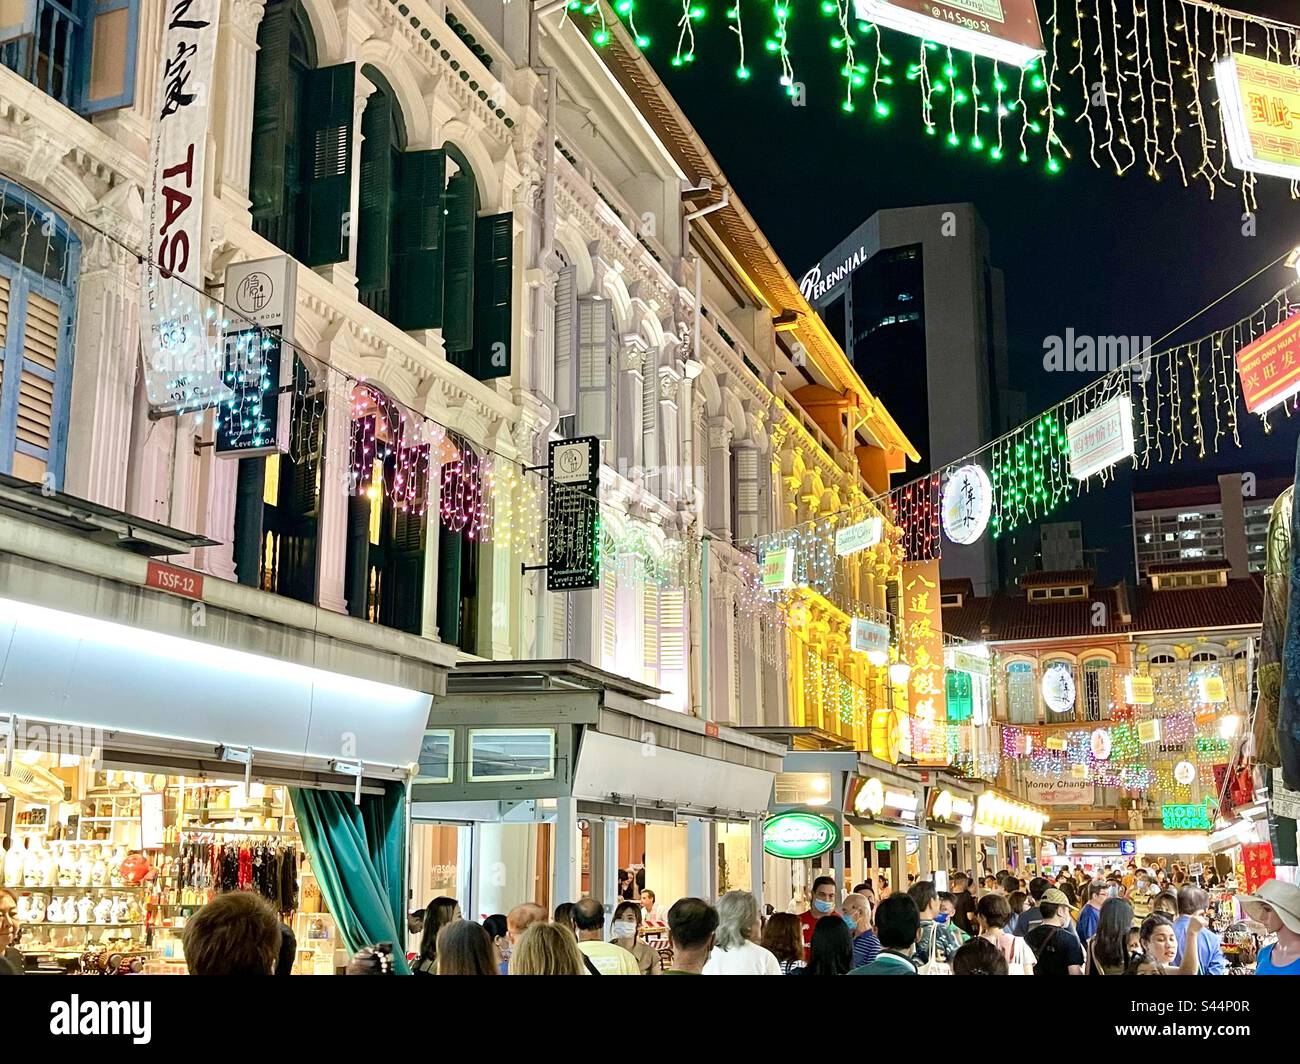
1277	907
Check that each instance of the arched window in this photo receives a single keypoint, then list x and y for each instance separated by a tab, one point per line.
39	259
1205	655
383	134
300	181
1162	658
1022	694
1096	689
387	518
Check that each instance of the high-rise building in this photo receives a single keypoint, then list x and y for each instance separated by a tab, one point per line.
1225	519
1061	546
913	299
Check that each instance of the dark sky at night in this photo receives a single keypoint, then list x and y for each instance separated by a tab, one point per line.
1104	254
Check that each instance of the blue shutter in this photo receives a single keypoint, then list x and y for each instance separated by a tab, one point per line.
108	56
35	373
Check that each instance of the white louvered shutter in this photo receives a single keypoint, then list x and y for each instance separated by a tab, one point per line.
650	631
566	341
595	355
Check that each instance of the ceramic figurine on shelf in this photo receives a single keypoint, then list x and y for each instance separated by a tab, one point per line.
84	909
104	911
121	911
13	864
99	870
84	867
24	909
32	870
54	911
37	908
68	865
115	867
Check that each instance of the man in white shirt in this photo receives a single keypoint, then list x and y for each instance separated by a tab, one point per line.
736	950
607	957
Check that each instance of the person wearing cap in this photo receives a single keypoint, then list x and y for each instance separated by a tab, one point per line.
1055	945
1277	907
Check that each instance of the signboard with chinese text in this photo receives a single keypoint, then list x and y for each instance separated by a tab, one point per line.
922	648
1269	367
1102	437
1004	30
573	515
1259	101
778	569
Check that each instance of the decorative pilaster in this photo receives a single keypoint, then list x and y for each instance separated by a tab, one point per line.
719	462
236	77
336	468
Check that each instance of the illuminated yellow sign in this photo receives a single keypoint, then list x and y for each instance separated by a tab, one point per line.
1260	104
1006	814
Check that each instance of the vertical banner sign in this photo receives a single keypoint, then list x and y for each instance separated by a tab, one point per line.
258	371
923	650
182	363
573	515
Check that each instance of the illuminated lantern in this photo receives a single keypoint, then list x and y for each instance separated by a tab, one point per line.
885	735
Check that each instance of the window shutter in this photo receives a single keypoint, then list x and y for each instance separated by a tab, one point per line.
327	155
493	246
17	19
559	606
404	581
747	501
566	337
672	628
375	202
609	616
108	76
271	102
650	631
449	581
418	237
650	419
458	264
595	353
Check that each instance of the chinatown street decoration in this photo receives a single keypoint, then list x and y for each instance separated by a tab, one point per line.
1100	438
1259	100
1269	367
916	510
922	647
967	503
1100	744
1008	33
1030	474
1255	867
1185	773
1058	688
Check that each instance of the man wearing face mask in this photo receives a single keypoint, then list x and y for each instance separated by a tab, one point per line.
857	914
824	893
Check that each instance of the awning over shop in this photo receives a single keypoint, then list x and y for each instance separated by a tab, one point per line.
530	732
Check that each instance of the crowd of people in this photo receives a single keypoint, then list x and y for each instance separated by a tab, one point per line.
1070	923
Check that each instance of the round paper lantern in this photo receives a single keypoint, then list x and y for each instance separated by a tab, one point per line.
1100	744
1058	688
1184	773
967	504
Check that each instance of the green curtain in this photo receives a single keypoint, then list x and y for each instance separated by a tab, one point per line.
358	853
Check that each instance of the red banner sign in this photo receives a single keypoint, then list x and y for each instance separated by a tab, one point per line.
1269	367
172	578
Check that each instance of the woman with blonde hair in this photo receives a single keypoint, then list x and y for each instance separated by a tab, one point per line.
736	950
546	949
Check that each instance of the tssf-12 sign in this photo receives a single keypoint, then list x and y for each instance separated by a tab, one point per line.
573	515
799	836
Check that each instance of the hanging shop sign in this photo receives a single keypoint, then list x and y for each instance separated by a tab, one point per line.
260	298
966	661
1255	866
944	805
1056	742
799	836
1058	791
1282	802
1078	772
923	648
1259	101
1184	773
1186	817
1148	731
886	735
1058	688
1101	437
1139	690
869	637
778	569
1269	367
183	363
573	515
905	803
967	503
1004	30
860	536
997	813
870	797
1099	743
1211	688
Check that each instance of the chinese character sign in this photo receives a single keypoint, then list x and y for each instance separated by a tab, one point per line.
1260	103
922	648
1269	367
183	354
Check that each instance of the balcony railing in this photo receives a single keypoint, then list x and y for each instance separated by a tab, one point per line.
49	56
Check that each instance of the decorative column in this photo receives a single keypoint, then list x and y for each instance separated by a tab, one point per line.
236	79
670	385
719	465
627	415
336	488
107	342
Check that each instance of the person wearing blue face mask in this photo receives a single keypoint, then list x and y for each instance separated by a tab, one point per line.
932	929
857	914
824	893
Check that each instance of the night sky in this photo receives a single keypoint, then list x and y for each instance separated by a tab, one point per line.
1104	254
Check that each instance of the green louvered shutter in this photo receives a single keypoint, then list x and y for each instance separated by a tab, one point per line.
449	581
327	164
272	99
416	281
404	588
458	269
493	244
375	203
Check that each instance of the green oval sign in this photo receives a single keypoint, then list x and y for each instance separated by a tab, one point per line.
799	836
